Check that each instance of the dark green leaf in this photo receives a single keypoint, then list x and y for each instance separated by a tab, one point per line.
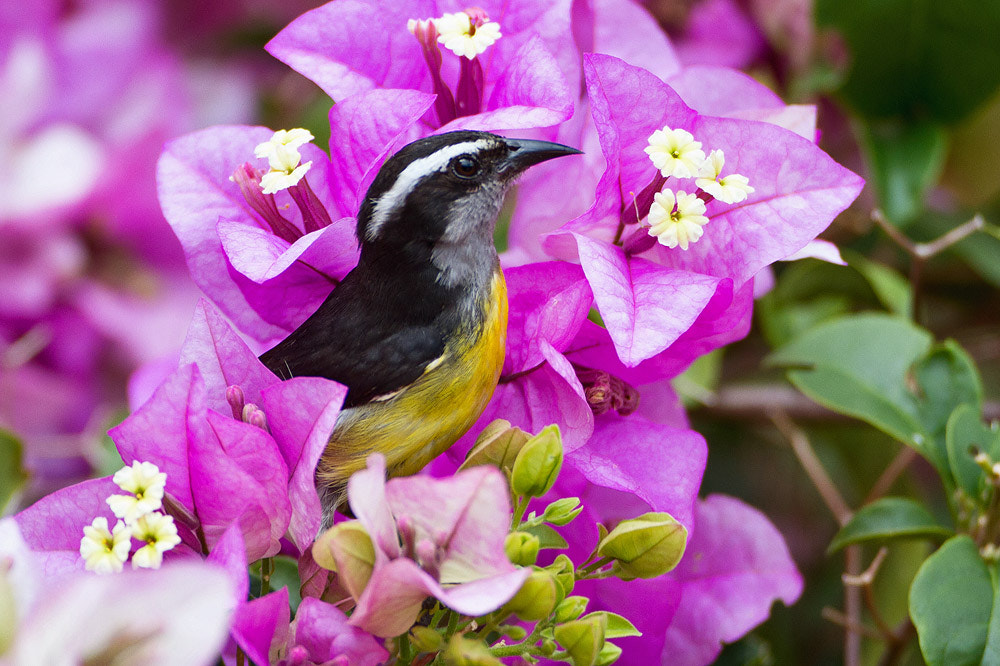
888	518
946	378
891	288
12	474
966	430
905	161
951	603
547	537
918	58
858	366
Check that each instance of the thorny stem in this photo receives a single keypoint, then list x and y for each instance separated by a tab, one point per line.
813	467
842	512
921	252
835	616
864	581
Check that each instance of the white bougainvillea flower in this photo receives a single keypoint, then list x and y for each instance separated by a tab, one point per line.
730	189
465	35
105	550
675	153
146	483
677	219
283	157
160	535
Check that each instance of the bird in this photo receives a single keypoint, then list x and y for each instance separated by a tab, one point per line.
417	330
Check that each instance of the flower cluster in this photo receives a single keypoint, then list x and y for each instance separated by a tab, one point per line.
603	314
106	550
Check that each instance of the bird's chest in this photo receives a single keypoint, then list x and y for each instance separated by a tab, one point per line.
417	424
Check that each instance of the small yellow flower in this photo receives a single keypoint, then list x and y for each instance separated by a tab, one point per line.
675	153
464	36
282	153
105	550
733	188
146	483
677	219
160	535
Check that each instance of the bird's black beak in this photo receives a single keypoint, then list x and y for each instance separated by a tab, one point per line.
529	152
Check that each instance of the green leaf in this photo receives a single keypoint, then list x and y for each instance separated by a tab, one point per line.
547	537
12	473
906	161
888	518
965	430
891	288
618	626
917	58
947	378
858	366
951	604
847	394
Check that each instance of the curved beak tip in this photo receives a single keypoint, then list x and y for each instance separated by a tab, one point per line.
525	153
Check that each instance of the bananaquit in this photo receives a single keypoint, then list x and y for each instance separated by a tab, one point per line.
417	330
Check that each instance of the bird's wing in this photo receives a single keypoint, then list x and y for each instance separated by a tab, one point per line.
366	351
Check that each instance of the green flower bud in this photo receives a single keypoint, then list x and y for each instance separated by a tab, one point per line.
547	647
498	444
538	463
608	655
536	598
582	639
571	608
521	548
425	639
347	549
564	571
514	632
8	611
645	547
462	651
563	511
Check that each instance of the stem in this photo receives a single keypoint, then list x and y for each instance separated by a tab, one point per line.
266	569
813	467
835	616
452	625
596	565
404	650
892	472
241	659
519	509
527	646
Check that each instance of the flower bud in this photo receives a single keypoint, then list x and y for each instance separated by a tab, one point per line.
547	647
562	511
564	571
462	651
645	547
498	444
608	655
538	463
582	639
514	632
425	639
571	608
521	548
536	598
8	610
347	549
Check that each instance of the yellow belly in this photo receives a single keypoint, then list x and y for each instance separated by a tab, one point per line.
415	425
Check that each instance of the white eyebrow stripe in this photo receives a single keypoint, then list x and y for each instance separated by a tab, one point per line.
413	174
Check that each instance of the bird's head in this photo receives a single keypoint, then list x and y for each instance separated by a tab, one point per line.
446	190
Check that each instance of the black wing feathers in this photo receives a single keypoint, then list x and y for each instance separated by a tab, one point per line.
371	337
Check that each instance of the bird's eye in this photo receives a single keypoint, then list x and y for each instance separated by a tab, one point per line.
465	166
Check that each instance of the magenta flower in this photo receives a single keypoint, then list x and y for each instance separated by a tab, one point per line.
433	537
490	67
797	190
